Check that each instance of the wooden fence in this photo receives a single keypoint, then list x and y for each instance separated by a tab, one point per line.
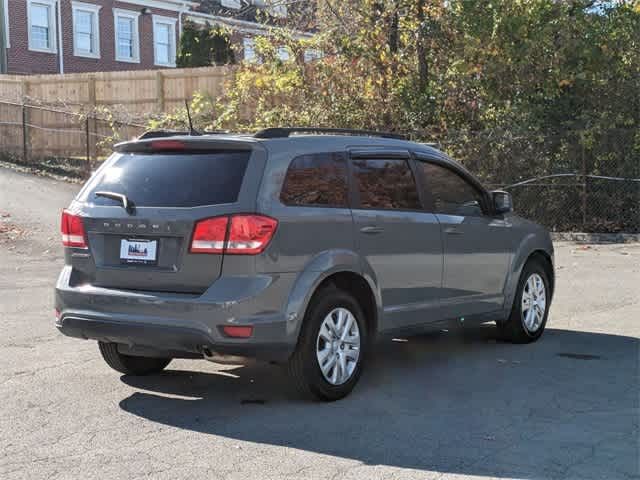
135	93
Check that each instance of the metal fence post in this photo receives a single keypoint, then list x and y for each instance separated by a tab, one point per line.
86	132
584	187
25	150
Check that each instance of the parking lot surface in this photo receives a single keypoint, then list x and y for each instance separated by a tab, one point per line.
446	405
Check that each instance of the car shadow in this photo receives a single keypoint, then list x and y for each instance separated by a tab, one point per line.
565	406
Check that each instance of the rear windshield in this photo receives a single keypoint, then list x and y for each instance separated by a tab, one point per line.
171	180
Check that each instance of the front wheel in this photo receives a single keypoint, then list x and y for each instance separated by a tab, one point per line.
530	307
128	364
330	354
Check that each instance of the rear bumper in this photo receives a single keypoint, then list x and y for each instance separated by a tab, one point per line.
182	323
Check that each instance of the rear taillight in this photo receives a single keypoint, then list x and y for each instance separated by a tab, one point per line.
72	230
248	234
209	235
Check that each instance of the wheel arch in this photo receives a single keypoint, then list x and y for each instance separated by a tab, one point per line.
344	270
532	247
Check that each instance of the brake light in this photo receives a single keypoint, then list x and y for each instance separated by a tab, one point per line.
238	331
250	234
209	235
72	230
167	145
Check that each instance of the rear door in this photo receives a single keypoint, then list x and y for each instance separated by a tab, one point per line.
397	237
147	248
477	245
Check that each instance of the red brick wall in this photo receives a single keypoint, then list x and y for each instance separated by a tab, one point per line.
20	60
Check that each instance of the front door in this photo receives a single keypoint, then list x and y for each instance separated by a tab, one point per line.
399	240
477	248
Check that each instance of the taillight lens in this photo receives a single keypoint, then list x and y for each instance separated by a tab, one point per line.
209	235
72	230
248	234
167	145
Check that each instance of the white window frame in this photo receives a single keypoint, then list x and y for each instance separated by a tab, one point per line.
95	28
134	17
53	26
249	41
171	22
7	37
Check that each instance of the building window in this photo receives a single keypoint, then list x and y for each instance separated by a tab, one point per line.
127	36
86	30
249	49
277	9
42	25
235	4
283	54
164	41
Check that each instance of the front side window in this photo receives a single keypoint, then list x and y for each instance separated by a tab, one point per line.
86	36
386	184
452	194
127	38
316	180
164	40
42	26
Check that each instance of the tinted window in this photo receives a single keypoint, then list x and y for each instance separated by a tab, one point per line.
386	184
451	193
319	179
172	180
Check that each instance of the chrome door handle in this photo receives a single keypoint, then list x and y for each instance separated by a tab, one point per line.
452	231
372	229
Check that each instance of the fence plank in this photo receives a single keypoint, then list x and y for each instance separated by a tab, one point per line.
138	92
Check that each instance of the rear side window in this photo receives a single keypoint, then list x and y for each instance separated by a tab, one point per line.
316	180
386	184
172	180
452	194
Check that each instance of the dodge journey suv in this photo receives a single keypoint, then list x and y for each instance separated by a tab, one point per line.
296	246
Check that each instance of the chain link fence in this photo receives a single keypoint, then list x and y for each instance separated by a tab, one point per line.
59	142
571	181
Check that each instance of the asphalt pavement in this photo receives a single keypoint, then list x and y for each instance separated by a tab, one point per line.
449	405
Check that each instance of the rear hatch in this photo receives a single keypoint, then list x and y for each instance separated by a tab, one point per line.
168	187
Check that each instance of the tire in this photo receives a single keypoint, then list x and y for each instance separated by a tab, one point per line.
518	328
130	365
304	365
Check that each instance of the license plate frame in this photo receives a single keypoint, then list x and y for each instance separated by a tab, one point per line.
139	251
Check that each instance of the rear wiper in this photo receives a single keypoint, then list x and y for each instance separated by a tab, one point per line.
128	205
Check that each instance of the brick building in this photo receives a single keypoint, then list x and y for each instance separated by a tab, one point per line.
65	36
70	36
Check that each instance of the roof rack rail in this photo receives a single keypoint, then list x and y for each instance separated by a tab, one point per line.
173	133
283	132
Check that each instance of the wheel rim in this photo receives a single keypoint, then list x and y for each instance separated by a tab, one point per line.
534	303
338	346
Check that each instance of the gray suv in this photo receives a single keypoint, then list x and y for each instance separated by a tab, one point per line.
296	246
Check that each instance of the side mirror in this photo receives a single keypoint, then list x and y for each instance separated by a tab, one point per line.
502	202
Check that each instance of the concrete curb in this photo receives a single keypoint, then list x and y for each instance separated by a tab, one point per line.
595	237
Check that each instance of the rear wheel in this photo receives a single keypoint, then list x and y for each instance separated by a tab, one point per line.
329	357
530	309
130	365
